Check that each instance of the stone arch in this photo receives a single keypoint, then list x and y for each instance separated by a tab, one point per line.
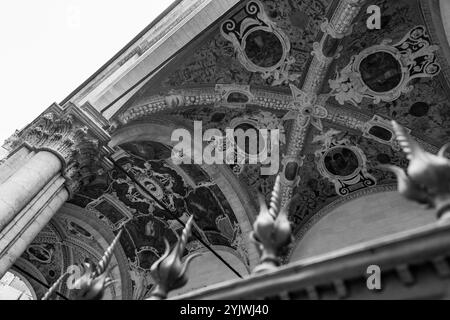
187	97
38	289
67	249
103	236
350	220
159	130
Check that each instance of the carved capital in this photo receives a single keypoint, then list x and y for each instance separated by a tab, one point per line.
60	135
72	136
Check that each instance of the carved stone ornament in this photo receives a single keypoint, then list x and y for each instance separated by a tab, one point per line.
261	46
380	129
383	72
94	280
426	179
291	166
70	140
342	163
306	109
234	95
238	156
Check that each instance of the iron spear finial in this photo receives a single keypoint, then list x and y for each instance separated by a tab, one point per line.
169	272
94	280
426	180
271	230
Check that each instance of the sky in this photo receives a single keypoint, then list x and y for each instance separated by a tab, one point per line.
49	47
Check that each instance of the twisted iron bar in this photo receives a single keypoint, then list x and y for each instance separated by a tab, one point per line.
275	199
94	281
105	260
54	286
271	230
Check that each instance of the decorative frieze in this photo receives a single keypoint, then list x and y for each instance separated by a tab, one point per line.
229	95
346	118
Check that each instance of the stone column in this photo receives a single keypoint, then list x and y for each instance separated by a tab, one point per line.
18	190
14	161
20	233
49	160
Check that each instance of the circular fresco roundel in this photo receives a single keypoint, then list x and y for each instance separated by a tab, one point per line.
263	48
341	161
380	71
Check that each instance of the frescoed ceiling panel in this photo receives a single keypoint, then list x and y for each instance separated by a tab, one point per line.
316	188
397	18
125	204
425	109
248	174
215	61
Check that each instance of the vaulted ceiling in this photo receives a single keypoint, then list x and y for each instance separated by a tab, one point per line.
274	64
236	56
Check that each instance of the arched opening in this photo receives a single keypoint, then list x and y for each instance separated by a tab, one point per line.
210	193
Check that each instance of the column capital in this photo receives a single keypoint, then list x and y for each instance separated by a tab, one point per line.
74	135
